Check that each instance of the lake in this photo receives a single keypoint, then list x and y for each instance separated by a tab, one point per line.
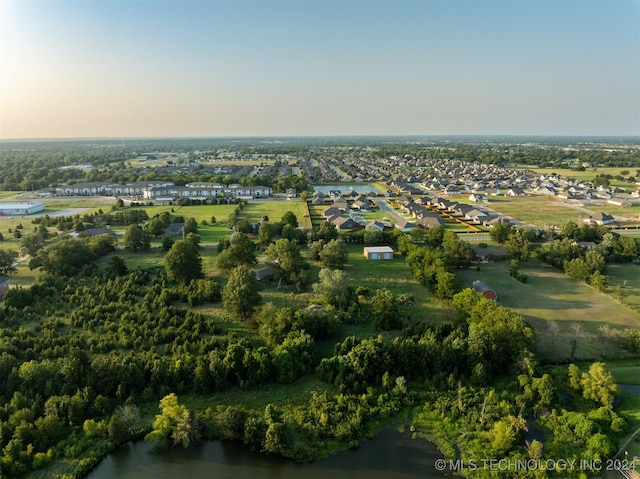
391	455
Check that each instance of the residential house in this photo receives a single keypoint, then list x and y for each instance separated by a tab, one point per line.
600	218
265	274
343	223
331	212
375	225
477	197
174	229
405	225
429	220
341	204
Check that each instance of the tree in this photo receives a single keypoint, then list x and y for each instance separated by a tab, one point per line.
64	258
190	226
156	226
294	234
500	231
289	218
183	263
334	254
373	236
595	261
598	384
241	251
241	294
502	436
43	232
577	269
175	423
326	232
518	245
7	262
446	284
167	243
386	314
286	255
599	281
333	285
266	233
458	253
116	267
194	238
137	239
118	429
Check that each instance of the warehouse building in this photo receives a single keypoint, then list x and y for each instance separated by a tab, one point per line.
17	209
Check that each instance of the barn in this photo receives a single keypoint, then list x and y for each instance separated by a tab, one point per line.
485	290
378	252
12	209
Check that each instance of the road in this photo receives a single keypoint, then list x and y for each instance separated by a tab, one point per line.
386	207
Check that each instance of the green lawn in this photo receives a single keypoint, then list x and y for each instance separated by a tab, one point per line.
541	211
626	372
396	276
255	211
549	295
630	408
200	212
628	277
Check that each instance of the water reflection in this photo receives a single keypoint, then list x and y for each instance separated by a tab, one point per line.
392	455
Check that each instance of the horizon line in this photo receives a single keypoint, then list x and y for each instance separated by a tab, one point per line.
225	137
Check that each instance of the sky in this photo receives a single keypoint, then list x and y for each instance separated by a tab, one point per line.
214	68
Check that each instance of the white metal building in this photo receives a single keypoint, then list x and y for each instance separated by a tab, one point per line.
13	209
378	252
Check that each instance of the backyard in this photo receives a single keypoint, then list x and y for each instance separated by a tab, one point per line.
559	309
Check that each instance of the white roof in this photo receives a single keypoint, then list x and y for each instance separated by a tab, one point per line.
19	205
379	249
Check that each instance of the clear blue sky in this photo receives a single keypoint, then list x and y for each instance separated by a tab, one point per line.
117	68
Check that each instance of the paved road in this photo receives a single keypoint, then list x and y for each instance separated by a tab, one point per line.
386	207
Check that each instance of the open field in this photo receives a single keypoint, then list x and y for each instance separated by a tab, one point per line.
255	210
396	276
626	372
550	296
628	277
544	211
540	211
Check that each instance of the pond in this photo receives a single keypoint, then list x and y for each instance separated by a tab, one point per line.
391	455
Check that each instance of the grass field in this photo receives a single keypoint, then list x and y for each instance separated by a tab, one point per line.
540	211
396	276
550	296
628	277
626	372
254	211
